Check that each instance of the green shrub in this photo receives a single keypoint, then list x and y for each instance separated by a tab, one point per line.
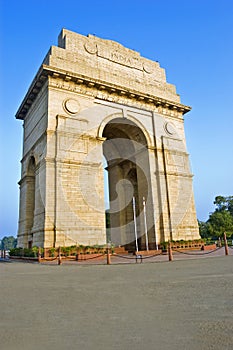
52	252
16	252
27	252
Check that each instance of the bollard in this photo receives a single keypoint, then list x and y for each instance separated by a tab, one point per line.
225	243
138	257
77	254
39	255
108	256
170	256
59	256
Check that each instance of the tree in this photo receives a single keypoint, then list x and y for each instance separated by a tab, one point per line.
8	243
220	221
204	228
224	204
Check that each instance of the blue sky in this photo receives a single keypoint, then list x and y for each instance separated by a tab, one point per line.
192	40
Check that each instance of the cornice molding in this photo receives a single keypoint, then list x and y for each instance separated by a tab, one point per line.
66	80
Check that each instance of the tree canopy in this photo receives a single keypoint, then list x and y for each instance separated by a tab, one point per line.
8	243
220	221
224	204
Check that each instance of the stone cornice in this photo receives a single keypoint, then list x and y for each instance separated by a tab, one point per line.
107	88
35	87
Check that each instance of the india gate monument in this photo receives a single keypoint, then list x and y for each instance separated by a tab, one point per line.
101	121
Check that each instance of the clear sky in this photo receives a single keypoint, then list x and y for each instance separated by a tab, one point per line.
191	39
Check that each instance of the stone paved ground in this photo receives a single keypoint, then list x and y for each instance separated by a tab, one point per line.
179	305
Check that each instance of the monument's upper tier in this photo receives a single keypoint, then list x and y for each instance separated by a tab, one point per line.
106	64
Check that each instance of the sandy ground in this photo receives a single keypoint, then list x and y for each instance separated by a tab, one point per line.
184	304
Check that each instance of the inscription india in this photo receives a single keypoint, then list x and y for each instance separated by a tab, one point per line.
119	57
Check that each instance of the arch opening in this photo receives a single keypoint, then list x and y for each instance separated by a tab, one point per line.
126	152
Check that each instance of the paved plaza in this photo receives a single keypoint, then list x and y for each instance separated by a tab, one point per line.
179	305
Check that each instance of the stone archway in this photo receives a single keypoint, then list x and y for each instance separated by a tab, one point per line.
126	153
91	96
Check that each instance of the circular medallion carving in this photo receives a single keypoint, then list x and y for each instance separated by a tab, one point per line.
148	68
91	48
71	106
169	128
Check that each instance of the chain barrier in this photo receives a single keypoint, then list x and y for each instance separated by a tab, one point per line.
83	259
49	259
139	256
197	254
124	257
151	256
135	257
73	258
94	257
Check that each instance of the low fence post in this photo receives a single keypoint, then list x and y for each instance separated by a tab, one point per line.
39	255
225	243
77	254
59	256
108	256
170	255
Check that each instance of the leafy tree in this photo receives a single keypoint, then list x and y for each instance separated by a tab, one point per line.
224	204
8	243
220	221
204	228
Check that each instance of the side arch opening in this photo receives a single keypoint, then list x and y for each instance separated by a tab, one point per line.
30	201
